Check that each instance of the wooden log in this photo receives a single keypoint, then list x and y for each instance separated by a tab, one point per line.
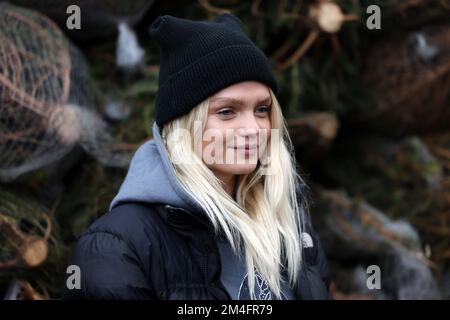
409	76
313	131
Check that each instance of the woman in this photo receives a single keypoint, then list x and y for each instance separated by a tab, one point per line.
212	207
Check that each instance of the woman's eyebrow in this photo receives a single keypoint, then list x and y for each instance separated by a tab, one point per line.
239	102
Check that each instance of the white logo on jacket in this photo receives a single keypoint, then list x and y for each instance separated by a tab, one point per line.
307	240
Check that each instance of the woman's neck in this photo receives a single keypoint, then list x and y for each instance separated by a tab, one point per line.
229	182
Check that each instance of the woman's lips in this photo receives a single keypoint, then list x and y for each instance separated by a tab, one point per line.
246	147
246	150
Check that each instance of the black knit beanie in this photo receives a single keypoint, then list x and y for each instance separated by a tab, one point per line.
199	58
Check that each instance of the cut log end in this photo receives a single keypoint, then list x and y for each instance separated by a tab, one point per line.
34	251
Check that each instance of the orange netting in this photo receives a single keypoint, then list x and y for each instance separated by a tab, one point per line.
45	97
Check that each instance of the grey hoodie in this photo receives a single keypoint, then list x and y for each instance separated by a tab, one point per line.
151	178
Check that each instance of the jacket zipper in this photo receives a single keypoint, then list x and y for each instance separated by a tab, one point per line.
206	257
304	290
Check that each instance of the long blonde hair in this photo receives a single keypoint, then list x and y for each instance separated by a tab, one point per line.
265	222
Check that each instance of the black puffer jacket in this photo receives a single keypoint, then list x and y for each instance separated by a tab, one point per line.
155	243
142	251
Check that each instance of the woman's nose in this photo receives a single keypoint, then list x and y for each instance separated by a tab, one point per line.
248	130
248	126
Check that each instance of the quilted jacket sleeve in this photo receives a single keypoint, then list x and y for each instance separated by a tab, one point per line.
318	262
109	269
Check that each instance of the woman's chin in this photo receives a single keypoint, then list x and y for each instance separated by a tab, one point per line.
241	169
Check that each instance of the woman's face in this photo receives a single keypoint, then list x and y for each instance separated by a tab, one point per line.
237	128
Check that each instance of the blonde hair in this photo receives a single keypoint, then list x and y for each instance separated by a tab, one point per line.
265	221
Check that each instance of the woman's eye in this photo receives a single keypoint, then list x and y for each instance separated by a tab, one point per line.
263	110
226	113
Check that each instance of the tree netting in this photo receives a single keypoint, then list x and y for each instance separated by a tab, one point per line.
32	253
26	228
99	17
46	103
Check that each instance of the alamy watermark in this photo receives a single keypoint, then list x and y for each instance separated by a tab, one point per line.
374	20
74	19
374	279
74	279
229	146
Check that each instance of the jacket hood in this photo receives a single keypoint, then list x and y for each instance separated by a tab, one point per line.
151	178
